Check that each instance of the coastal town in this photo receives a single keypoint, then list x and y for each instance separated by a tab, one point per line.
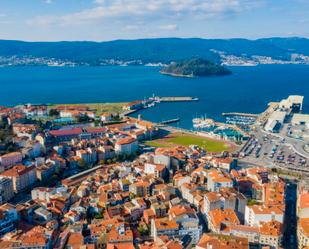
87	176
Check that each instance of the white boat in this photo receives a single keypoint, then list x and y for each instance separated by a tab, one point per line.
203	123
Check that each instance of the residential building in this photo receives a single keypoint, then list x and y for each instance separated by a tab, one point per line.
217	180
256	214
140	189
8	218
6	189
8	160
22	177
218	219
164	227
225	163
126	146
271	234
213	241
303	233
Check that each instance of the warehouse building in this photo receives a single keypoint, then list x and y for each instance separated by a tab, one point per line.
275	121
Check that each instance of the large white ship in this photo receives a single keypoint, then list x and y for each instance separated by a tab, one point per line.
200	123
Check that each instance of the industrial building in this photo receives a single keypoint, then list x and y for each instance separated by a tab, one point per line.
275	121
294	103
300	119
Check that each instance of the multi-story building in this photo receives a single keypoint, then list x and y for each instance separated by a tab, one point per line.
209	241
10	159
158	170
227	163
164	227
126	146
219	219
226	198
6	189
140	189
217	180
22	177
274	193
45	171
42	194
303	233
89	155
256	214
243	231
303	205
8	218
188	221
271	234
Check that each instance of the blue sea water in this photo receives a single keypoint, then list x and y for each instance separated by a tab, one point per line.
248	89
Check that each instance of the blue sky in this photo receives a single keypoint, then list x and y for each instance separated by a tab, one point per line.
101	20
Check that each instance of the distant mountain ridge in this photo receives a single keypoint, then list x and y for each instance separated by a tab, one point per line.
158	50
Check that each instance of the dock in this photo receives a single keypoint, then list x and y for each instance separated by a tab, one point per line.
177	99
251	115
170	121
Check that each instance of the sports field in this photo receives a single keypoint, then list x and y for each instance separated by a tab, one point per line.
177	139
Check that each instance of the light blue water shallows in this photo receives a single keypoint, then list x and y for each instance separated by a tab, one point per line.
248	89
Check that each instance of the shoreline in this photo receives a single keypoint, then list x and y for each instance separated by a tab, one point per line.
177	75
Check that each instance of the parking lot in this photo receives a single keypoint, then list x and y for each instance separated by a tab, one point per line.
296	131
269	150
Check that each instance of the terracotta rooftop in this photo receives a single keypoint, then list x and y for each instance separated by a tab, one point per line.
222	242
127	140
304	200
304	225
71	132
165	224
219	217
272	228
17	171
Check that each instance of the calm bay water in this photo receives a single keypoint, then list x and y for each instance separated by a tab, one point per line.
248	89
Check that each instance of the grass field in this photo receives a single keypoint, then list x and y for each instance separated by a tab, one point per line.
99	108
177	139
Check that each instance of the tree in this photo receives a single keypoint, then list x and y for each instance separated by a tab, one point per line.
53	112
132	196
82	164
83	119
99	216
143	231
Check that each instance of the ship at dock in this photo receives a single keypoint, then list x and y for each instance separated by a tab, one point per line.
203	122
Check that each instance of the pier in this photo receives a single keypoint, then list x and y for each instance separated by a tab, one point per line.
177	99
251	115
170	121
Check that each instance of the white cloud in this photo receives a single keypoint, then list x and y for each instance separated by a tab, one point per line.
169	27
149	9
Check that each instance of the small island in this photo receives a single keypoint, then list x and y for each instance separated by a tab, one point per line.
195	68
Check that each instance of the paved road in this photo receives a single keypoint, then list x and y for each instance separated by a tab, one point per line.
290	216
